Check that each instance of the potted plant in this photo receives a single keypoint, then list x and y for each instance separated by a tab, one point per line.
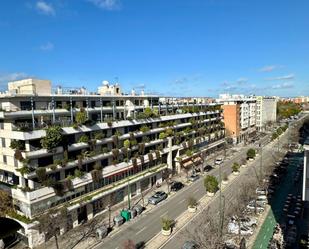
211	185
251	154
166	226
225	179
192	204
235	168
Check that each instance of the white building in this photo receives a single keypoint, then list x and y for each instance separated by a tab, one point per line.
266	111
305	195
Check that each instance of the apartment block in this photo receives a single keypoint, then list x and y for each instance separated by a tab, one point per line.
239	116
305	194
84	151
266	111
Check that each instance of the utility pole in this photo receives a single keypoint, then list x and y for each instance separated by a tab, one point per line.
261	163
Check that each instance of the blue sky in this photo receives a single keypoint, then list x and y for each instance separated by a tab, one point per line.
171	47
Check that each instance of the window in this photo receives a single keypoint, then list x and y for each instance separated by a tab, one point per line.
3	142
4	160
26	105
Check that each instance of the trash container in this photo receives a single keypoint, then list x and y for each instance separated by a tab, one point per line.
126	214
101	232
118	220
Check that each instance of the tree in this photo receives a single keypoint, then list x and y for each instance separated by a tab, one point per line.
5	203
211	184
51	222
251	153
53	137
235	167
81	117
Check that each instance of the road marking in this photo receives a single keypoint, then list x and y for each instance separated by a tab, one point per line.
140	230
164	214
182	201
264	236
117	247
195	190
261	245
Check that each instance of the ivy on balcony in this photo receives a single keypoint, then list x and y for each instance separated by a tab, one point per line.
53	138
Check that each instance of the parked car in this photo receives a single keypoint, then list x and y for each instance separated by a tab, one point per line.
175	186
261	200
118	220
219	161
190	245
207	168
255	206
138	208
157	197
193	178
247	221
261	191
234	229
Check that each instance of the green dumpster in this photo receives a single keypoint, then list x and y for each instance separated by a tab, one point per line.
126	214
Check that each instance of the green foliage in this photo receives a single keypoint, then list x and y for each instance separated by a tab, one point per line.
287	109
211	184
22	218
24	170
53	138
169	132
189	153
144	128
83	139
78	173
235	167
99	135
162	135
17	144
81	117
251	153
41	174
166	223
192	202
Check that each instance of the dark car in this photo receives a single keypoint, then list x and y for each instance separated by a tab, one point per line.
207	168
157	197
190	245
175	186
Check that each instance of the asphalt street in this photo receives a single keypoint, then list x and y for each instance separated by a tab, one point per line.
148	225
177	240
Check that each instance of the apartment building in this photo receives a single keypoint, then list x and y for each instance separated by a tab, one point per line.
305	194
239	116
266	111
84	151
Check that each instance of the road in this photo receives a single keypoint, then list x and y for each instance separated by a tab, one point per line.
148	225
177	240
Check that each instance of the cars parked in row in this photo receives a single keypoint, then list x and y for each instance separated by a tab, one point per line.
219	161
190	245
193	178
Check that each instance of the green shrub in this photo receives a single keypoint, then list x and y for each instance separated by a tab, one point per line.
235	167
83	139
192	202
211	184
166	223
53	138
17	144
251	153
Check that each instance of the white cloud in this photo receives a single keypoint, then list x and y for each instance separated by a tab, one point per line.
45	8
242	81
6	77
269	68
285	77
284	85
106	4
47	46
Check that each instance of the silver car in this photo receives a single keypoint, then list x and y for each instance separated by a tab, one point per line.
157	197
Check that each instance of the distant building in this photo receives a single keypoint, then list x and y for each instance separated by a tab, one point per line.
30	87
266	111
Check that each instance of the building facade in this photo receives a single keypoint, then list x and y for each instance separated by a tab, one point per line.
239	116
85	152
305	194
266	112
